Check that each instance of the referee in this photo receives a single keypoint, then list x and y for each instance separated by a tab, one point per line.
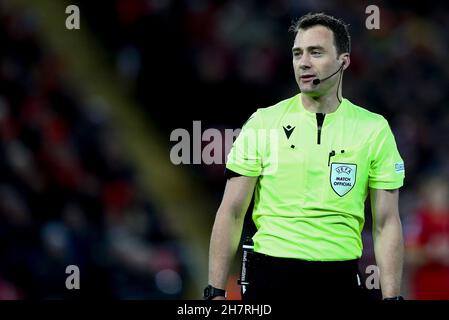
310	162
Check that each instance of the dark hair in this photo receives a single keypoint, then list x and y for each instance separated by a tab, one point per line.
342	39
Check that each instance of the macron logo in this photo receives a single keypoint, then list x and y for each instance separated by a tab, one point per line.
288	131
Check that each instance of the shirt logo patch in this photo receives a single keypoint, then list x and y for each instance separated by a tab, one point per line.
343	177
288	131
399	167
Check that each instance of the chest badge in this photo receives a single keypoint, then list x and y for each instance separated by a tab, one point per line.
342	177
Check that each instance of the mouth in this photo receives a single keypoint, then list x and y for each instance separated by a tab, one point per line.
307	78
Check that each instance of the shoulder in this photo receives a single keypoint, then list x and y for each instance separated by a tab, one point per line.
365	117
374	127
277	110
363	113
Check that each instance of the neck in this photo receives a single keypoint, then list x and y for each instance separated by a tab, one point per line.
327	103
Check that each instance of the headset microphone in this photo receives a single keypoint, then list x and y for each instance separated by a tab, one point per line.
318	81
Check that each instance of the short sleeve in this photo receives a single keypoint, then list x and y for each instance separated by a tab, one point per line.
245	156
387	170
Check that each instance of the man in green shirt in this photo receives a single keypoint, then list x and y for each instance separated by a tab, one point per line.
310	162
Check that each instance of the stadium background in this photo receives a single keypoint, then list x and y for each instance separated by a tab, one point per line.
86	116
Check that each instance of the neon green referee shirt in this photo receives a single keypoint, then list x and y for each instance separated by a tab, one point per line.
313	182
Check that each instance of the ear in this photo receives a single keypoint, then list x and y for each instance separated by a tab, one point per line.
345	60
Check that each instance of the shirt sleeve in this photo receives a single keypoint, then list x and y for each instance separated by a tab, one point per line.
387	169
245	157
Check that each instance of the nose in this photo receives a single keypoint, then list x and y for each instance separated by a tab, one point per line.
304	62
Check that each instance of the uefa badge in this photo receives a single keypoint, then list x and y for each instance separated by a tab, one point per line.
342	177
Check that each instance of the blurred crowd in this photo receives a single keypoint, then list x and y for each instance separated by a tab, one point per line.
68	194
63	173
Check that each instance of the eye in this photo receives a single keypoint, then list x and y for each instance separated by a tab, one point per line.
316	53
